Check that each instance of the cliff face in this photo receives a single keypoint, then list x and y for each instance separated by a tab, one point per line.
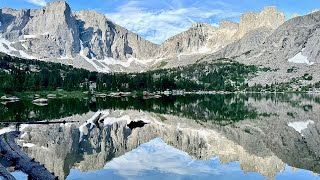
81	39
89	40
254	28
275	46
224	35
300	34
51	32
203	38
194	40
12	21
295	43
102	38
269	17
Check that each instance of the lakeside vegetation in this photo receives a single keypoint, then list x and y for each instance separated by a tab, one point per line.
19	75
29	79
23	77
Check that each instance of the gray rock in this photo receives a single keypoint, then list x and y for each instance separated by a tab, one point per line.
87	39
104	38
228	40
190	41
269	17
245	45
52	31
12	22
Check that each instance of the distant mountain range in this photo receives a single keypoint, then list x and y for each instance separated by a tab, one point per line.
90	40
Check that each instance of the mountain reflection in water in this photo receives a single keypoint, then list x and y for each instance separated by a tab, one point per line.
157	160
275	137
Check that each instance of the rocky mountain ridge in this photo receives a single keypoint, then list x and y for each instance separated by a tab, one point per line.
294	44
214	39
82	38
90	40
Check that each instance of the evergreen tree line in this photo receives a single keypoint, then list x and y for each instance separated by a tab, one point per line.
18	75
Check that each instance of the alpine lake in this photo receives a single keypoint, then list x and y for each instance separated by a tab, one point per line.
194	136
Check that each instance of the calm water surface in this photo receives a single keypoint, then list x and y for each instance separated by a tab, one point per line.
234	136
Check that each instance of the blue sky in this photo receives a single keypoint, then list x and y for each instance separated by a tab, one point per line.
157	20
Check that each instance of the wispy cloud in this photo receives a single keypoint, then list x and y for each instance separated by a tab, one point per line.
37	2
158	25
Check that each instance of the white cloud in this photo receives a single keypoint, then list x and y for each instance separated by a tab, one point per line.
159	25
157	155
37	2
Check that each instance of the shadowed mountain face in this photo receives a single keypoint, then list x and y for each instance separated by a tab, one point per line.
90	40
55	33
285	133
87	39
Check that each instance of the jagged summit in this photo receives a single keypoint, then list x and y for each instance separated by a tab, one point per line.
81	39
62	4
228	25
55	29
190	41
202	38
269	17
199	25
106	39
88	39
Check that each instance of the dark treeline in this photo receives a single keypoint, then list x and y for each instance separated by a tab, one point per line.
18	75
223	75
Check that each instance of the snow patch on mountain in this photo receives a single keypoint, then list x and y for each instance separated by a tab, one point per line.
30	36
103	65
98	66
6	47
300	59
66	57
125	63
28	145
300	125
